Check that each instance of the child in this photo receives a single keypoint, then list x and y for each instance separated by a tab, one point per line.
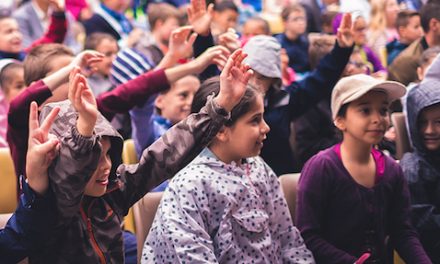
225	16
93	193
409	29
33	220
57	65
421	167
351	197
172	106
293	40
226	206
283	104
107	45
11	84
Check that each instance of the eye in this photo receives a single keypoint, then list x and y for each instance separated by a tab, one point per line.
383	111
365	110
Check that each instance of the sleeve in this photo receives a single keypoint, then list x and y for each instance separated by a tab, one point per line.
292	244
424	213
133	93
403	235
142	125
71	170
28	227
171	152
311	198
56	32
18	116
319	84
201	44
181	210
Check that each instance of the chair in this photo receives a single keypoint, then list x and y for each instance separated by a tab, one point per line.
289	184
144	211
129	156
8	186
402	141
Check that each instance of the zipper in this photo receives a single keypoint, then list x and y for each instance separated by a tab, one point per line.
95	245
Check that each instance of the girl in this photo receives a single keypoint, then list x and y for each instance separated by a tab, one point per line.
226	205
351	197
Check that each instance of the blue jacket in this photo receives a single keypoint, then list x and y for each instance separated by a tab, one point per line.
297	50
285	105
28	227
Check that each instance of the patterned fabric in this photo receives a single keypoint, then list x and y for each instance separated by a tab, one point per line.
88	228
214	212
129	64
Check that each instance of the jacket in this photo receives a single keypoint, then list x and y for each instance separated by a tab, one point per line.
88	228
421	167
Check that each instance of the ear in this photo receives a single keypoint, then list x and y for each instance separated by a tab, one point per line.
420	73
433	24
340	123
223	134
159	101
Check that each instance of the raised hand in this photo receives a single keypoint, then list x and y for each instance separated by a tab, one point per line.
229	39
345	34
42	149
86	61
84	102
199	17
216	54
233	80
181	42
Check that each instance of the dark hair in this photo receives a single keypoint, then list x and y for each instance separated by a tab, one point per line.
291	8
161	11
93	41
37	63
404	16
5	73
212	86
225	5
429	11
428	55
342	110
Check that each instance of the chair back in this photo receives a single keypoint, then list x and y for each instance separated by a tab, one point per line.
403	144
144	211
289	184
129	155
8	180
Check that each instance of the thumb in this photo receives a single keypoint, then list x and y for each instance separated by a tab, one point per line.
48	146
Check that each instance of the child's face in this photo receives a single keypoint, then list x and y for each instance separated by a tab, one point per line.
366	119
355	65
360	31
245	138
225	19
413	30
110	49
296	23
60	93
391	11
175	105
429	126
97	185
253	28
167	27
261	82
10	36
16	84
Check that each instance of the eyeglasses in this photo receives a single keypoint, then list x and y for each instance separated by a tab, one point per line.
357	64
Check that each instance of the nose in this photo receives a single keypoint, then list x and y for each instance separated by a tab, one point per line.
264	127
429	128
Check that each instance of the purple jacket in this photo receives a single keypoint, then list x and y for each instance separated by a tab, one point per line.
340	219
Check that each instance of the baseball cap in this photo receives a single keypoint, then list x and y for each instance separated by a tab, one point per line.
351	88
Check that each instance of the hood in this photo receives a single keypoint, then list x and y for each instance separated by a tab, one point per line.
67	118
425	94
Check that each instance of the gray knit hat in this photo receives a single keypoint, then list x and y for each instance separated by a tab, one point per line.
264	55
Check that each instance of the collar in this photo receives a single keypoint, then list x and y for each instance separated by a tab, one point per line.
42	16
162	120
116	15
424	43
9	55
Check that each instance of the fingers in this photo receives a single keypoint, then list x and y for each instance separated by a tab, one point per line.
49	120
33	118
210	9
346	22
49	148
363	258
192	39
73	84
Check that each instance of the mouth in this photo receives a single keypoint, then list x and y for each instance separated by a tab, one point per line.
103	181
431	140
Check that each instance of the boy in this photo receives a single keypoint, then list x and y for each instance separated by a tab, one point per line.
409	30
225	16
421	167
293	40
93	193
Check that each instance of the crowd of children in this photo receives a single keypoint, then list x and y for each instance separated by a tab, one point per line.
219	105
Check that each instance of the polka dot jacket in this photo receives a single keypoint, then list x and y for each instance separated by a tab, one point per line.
214	212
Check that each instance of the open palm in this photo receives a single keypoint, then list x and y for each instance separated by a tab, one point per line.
345	34
199	17
81	97
180	45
